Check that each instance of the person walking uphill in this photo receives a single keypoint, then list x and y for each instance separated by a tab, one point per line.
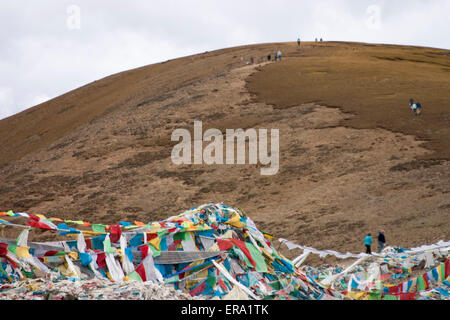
381	241
368	243
416	107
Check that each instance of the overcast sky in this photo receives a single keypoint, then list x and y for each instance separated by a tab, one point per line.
49	47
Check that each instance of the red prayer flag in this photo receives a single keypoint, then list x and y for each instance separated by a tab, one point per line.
88	243
50	253
101	260
197	290
224	245
3	249
396	289
447	268
151	236
407	296
243	247
37	224
144	250
13	264
141	271
116	232
33	217
173	245
426	281
385	277
222	284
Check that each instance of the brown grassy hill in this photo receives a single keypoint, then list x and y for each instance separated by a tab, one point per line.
375	82
101	153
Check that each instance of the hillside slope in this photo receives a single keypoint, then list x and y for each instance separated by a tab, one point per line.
101	153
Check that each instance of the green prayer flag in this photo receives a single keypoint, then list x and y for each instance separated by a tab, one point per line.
420	283
28	274
211	281
173	279
375	295
12	248
276	285
107	246
155	252
2	271
184	236
242	256
261	265
98	228
135	276
162	233
389	297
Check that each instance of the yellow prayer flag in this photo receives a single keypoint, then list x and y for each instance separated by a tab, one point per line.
267	254
23	252
156	243
73	255
356	295
236	222
127	278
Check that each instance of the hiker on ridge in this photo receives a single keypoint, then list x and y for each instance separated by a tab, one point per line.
368	243
381	240
298	42
279	55
415	106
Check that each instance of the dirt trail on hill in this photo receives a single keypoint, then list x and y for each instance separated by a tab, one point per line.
335	183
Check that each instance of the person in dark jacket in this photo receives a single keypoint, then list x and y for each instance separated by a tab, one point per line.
381	241
416	107
368	243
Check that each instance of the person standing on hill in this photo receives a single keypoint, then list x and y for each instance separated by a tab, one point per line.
298	42
368	243
279	55
415	106
275	57
381	240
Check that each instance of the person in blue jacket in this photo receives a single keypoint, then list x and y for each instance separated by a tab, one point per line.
368	243
416	107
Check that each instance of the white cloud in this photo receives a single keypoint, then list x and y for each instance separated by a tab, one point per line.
6	102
